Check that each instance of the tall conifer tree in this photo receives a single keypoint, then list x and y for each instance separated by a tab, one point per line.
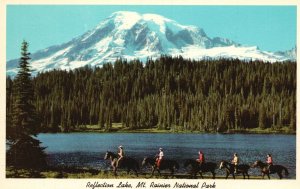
24	150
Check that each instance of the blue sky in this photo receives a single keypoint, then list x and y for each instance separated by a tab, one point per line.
271	28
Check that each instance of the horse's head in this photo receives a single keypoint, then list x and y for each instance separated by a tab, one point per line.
109	155
257	163
223	164
148	161
145	161
106	155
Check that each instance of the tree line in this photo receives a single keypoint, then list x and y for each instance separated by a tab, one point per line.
167	93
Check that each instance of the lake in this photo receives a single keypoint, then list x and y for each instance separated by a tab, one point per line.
88	149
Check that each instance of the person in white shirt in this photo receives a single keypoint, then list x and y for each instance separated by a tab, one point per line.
121	154
235	161
160	157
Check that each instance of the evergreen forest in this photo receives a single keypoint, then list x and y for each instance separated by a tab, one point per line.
169	93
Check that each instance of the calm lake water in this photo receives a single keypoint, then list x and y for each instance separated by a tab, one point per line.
88	149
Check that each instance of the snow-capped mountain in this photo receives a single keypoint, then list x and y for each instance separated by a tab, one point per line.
131	35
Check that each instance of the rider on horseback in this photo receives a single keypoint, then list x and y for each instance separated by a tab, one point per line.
159	157
235	161
121	154
269	162
201	159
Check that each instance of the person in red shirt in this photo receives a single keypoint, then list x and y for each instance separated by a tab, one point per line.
269	162
201	159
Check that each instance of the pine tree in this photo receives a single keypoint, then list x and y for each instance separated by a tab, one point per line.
24	120
24	150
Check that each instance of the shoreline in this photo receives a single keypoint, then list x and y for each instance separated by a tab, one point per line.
118	129
86	173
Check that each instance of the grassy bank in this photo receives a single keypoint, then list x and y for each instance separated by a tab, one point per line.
118	128
85	173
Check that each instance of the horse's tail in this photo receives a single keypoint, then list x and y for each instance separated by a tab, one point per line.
137	165
248	167
286	172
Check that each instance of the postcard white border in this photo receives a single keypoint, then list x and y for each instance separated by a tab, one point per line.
81	183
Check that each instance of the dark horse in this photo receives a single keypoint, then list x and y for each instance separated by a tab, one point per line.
229	167
126	163
165	164
274	169
197	168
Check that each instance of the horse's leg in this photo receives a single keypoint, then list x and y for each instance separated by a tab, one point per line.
137	169
201	174
197	172
213	174
158	172
279	174
192	174
263	175
233	175
115	171
133	169
136	172
153	169
247	174
172	172
244	175
227	174
268	175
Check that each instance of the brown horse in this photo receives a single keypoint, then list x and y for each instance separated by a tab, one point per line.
274	169
171	165
197	168
127	163
229	167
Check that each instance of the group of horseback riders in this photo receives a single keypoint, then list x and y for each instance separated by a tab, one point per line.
236	161
196	166
201	160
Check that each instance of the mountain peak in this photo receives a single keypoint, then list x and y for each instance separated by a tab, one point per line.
125	19
131	35
124	15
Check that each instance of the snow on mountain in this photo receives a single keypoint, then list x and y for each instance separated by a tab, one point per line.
132	35
290	54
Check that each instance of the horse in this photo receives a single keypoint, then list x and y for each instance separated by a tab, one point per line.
274	169
197	168
229	167
172	165
125	163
